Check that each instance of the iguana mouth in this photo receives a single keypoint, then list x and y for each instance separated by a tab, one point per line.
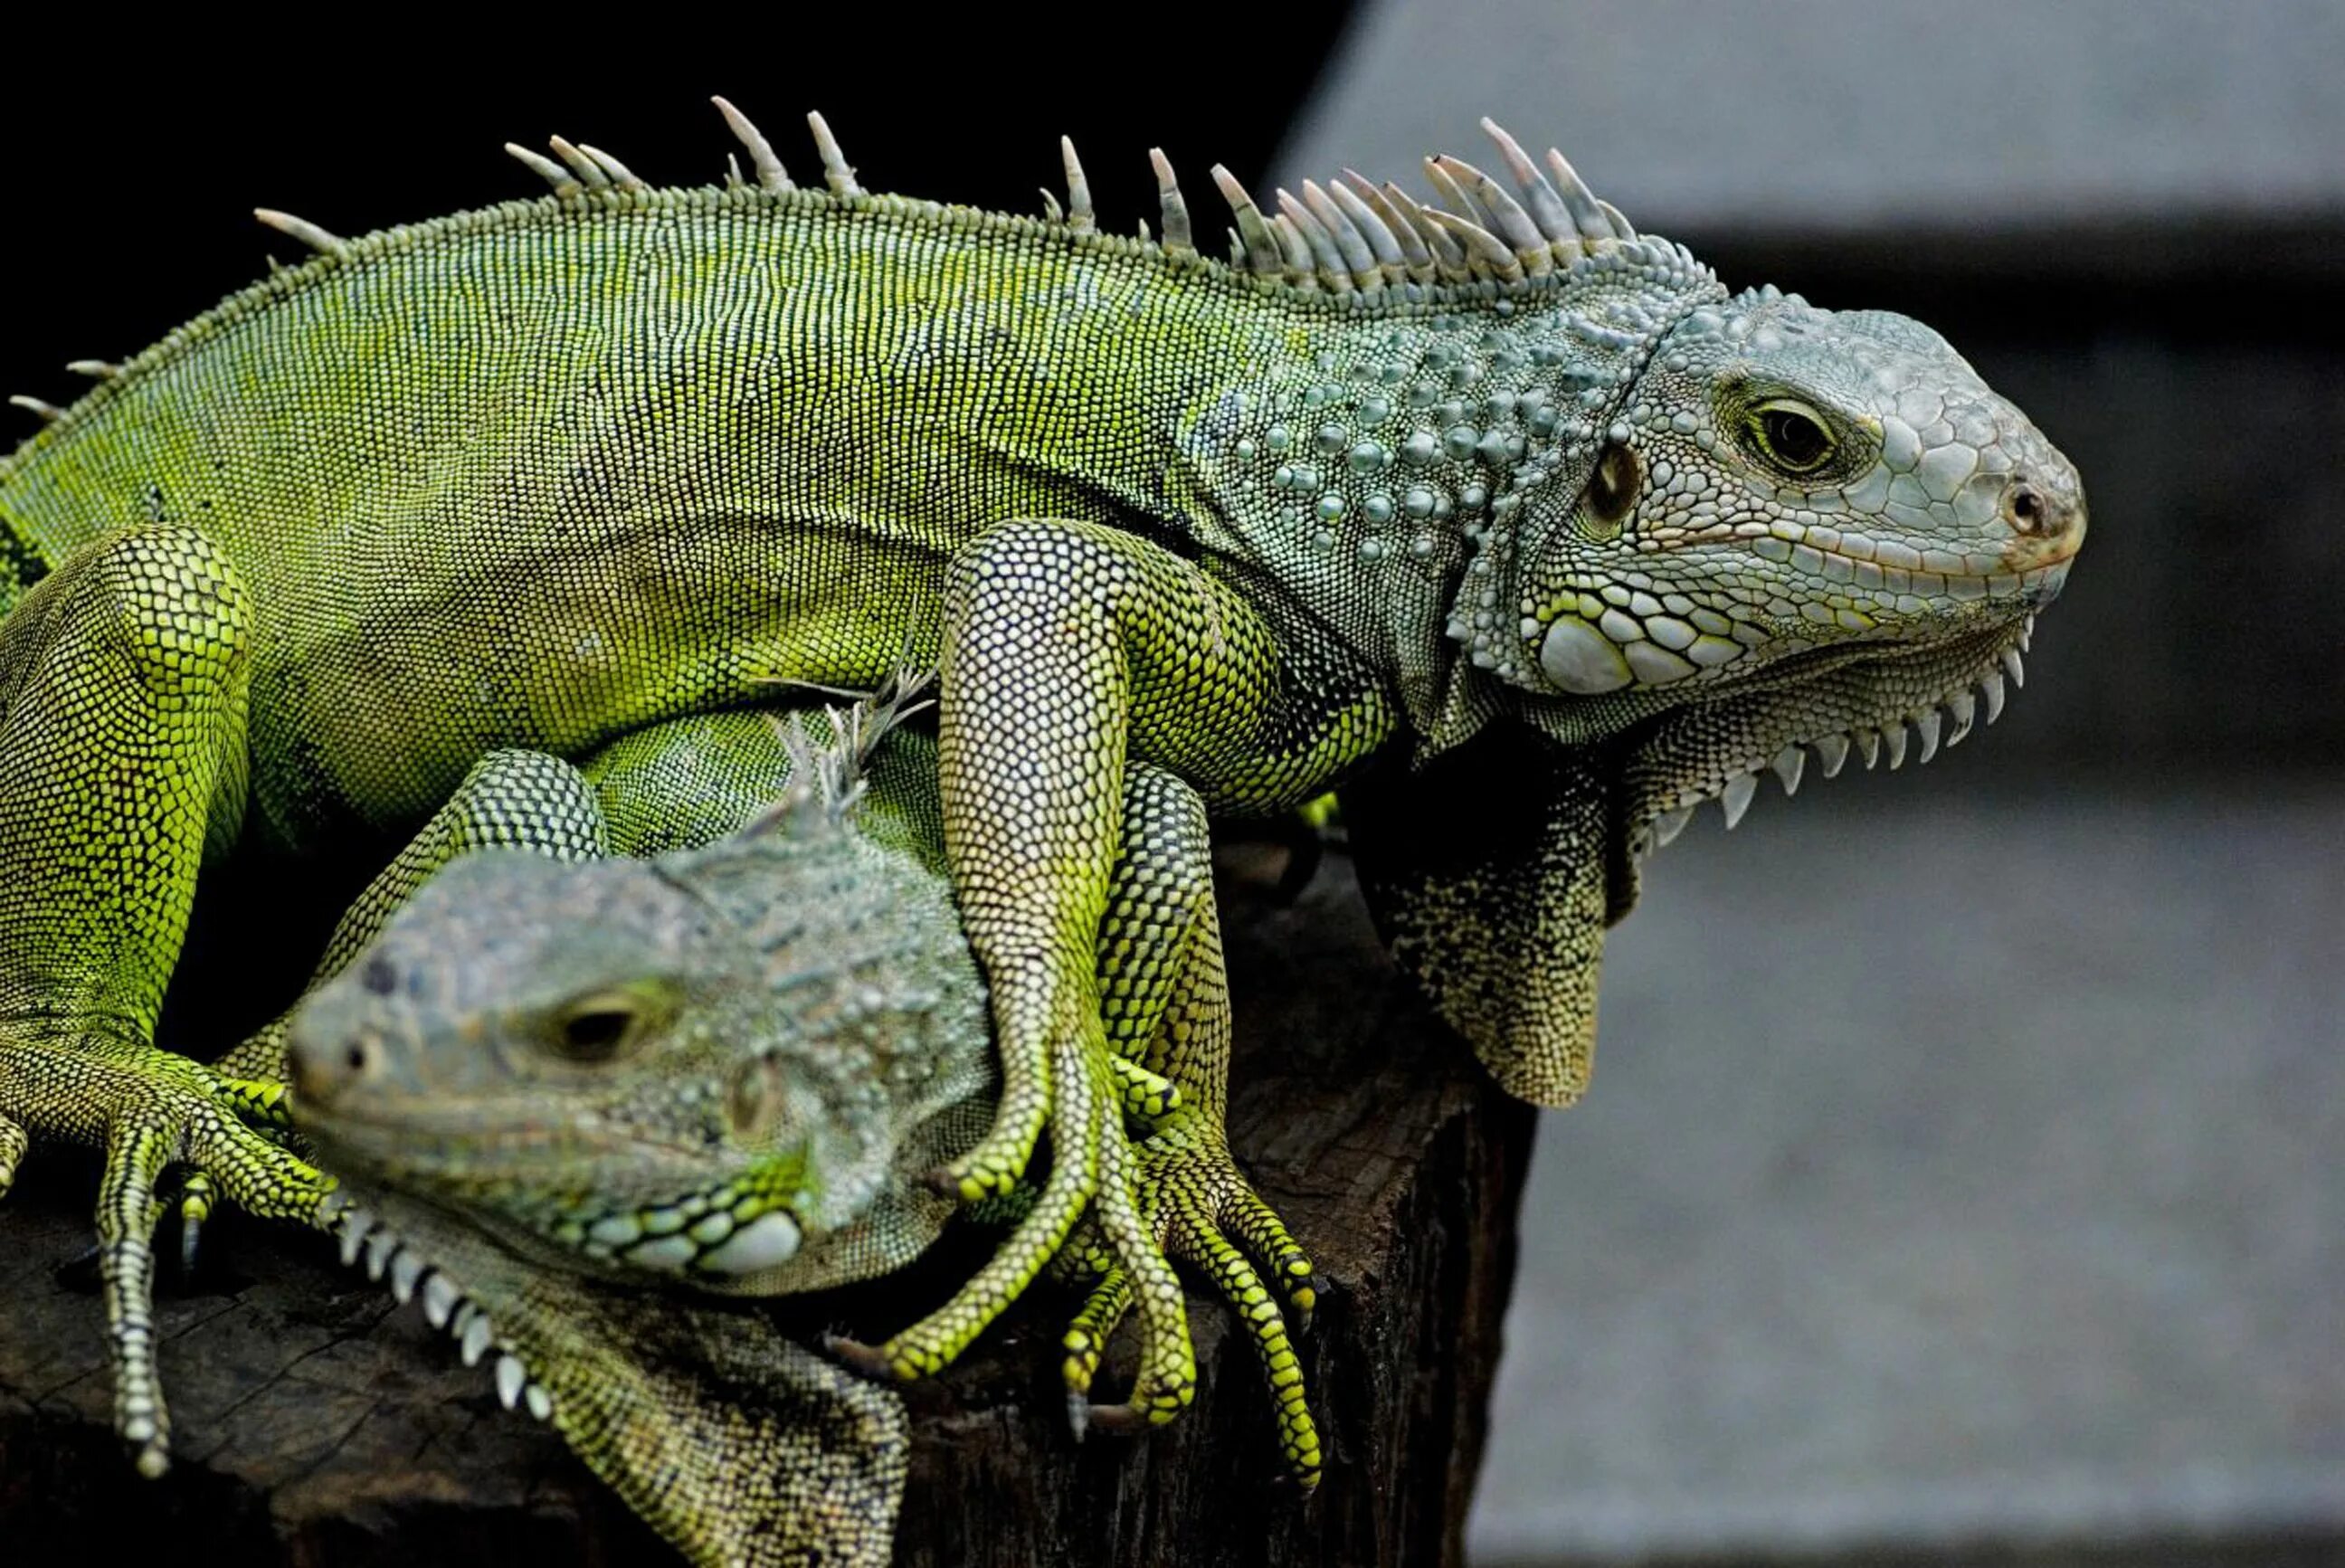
528	1176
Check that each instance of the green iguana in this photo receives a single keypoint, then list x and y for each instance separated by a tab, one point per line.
1510	511
726	1070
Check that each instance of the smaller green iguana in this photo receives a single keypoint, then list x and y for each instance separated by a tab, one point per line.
730	1068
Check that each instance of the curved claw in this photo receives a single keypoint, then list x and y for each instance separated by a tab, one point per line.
869	1361
197	1195
1121	1421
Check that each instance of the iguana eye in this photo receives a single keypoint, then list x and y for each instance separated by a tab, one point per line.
596	1029
1613	490
1791	436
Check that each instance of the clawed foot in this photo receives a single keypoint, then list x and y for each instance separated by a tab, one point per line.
1204	1213
263	1105
1093	1167
149	1110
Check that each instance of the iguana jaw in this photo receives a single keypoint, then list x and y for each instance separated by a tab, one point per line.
1831	701
555	1192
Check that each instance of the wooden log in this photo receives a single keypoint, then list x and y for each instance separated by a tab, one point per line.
315	1423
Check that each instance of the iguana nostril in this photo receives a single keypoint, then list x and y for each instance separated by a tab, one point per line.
2028	510
321	1069
380	976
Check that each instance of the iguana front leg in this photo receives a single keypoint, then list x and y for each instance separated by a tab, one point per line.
1066	648
123	683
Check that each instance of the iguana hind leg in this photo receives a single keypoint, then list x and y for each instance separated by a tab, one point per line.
123	679
1166	1001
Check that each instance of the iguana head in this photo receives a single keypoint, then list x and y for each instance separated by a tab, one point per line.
1694	534
1703	528
1800	527
695	1068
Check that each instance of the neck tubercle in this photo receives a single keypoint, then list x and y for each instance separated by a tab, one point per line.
1389	474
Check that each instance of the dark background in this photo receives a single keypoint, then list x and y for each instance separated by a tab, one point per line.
138	153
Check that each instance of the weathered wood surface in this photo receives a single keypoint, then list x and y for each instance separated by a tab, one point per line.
317	1424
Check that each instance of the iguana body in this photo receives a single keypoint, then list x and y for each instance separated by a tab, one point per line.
727	1069
1510	495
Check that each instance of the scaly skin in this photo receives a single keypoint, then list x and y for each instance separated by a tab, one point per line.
737	1444
1515	516
730	1068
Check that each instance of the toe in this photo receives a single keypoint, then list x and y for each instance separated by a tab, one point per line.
13	1145
872	1361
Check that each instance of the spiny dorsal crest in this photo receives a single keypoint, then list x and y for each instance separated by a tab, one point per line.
1352	237
827	779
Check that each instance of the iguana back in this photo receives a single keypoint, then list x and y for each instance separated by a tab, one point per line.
537	474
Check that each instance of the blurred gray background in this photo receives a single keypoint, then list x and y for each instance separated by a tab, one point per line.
1964	1178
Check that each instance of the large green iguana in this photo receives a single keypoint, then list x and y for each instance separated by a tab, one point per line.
727	1069
1499	495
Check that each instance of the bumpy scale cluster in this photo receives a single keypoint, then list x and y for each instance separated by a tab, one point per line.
1412	445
